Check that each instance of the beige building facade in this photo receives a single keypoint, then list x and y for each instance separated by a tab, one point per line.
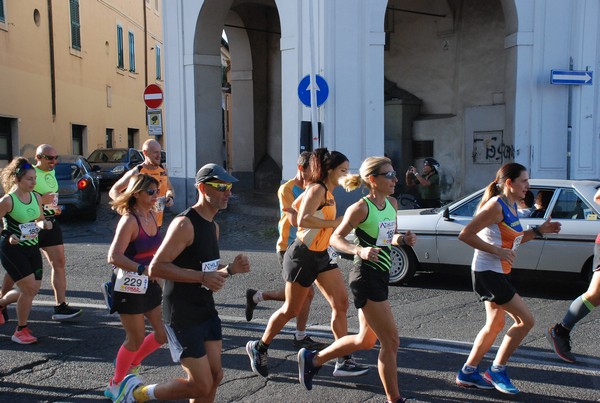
73	74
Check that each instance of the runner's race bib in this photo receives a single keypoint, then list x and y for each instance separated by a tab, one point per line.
387	229
211	266
517	242
333	255
29	230
54	204
130	282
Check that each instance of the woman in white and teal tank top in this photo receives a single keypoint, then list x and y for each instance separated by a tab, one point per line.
22	216
374	220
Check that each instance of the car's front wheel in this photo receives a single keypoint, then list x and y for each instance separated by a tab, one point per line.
404	265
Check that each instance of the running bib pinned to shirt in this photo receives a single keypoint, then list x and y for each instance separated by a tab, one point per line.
130	282
387	229
333	255
211	266
29	230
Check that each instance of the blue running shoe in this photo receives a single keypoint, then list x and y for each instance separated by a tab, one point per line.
306	369
501	381
472	380
258	359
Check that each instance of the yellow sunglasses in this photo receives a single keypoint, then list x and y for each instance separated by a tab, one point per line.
221	187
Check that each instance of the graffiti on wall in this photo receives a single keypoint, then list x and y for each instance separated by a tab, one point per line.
489	148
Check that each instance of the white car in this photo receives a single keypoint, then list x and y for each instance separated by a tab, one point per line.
572	250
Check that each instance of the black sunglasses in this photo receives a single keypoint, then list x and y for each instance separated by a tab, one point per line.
150	192
48	157
388	175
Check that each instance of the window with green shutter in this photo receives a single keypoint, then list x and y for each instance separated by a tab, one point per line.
2	16
131	52
120	62
75	25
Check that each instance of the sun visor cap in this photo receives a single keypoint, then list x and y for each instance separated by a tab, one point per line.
213	171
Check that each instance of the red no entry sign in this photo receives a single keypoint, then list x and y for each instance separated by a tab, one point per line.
153	96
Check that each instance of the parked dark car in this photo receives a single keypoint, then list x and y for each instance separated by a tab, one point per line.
113	163
78	187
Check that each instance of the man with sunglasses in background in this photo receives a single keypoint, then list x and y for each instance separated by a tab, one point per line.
189	260
153	167
50	240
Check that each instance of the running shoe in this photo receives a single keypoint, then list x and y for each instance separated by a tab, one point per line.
112	390
472	380
308	343
561	344
349	367
4	315
250	304
107	294
306	369
501	381
122	392
64	311
258	360
24	336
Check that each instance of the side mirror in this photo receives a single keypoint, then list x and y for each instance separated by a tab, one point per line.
446	215
96	168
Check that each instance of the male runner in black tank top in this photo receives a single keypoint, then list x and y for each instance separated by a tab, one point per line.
189	261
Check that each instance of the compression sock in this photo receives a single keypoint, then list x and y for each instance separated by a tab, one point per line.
144	393
148	346
124	359
579	308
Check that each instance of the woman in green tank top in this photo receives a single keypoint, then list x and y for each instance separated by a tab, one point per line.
374	220
22	216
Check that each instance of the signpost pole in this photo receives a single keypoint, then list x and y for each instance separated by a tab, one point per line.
313	77
569	122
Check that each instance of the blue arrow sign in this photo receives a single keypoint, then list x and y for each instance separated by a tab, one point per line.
320	86
571	77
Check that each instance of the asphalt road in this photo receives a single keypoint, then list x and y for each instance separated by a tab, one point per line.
438	317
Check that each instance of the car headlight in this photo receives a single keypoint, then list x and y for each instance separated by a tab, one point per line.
119	169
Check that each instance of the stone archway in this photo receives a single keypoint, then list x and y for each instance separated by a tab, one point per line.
252	129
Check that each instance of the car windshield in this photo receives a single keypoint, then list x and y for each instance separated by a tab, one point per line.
66	171
108	156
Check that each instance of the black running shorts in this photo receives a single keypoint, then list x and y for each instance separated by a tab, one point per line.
368	284
302	265
492	286
193	337
20	261
51	237
133	304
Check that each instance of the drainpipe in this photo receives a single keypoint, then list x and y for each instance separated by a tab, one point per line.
145	45
52	67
